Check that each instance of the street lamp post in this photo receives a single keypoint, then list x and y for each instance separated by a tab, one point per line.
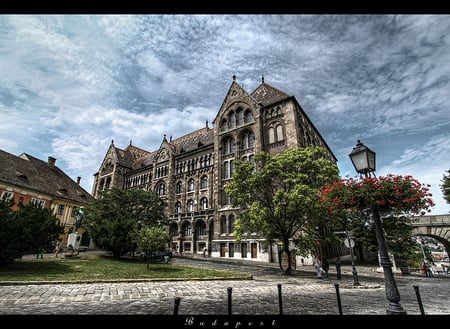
363	160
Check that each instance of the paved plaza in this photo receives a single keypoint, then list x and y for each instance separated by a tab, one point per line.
266	293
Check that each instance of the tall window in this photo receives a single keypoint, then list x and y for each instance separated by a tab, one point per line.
232	123
248	116
223	224
228	146
280	136
187	229
240	117
223	125
271	135
190	205
204	182
231	224
201	228
179	187
178	207
162	188
191	185
248	140
204	203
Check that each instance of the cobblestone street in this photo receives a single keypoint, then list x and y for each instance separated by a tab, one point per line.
300	294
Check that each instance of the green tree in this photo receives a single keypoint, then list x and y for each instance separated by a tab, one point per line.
28	229
398	232
445	187
113	219
152	238
10	242
279	196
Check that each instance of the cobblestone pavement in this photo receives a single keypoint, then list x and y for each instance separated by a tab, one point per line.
300	294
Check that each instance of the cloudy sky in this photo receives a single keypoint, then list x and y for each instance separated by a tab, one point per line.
69	84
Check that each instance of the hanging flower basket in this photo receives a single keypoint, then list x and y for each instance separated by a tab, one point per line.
391	193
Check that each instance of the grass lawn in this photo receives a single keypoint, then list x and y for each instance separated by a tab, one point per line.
92	267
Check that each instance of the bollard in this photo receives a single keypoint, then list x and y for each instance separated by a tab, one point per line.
280	302
176	306
419	300
229	300
336	285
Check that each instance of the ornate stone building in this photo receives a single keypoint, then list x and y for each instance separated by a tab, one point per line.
190	172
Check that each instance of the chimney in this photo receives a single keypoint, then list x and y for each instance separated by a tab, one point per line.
51	162
78	180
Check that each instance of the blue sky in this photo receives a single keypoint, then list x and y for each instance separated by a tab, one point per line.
69	84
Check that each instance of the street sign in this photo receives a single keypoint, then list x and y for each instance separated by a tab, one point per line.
349	243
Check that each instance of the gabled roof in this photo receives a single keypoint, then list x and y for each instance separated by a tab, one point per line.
130	154
266	95
28	172
194	140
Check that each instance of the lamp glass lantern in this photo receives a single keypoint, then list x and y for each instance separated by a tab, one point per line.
363	159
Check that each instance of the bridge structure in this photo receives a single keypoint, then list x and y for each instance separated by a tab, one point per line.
435	226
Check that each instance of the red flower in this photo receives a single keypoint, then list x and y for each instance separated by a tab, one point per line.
393	193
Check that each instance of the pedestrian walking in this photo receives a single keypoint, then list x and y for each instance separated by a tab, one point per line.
325	268
57	249
204	251
338	268
318	267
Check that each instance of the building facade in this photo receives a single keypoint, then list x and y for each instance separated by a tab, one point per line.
27	179
191	172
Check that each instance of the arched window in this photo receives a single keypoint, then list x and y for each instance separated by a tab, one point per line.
232	123
178	207
204	182
271	135
191	185
223	224
231	224
162	189
280	136
223	125
240	117
179	187
190	205
226	170
248	116
204	203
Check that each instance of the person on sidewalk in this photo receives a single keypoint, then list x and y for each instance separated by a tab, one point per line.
318	267
338	268
325	268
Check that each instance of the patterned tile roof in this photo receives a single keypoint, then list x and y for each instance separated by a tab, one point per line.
267	95
31	173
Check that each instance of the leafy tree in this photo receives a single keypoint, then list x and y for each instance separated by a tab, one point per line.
152	238
398	232
9	234
445	187
38	227
113	219
279	196
28	229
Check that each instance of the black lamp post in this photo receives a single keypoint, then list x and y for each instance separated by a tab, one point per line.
363	160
